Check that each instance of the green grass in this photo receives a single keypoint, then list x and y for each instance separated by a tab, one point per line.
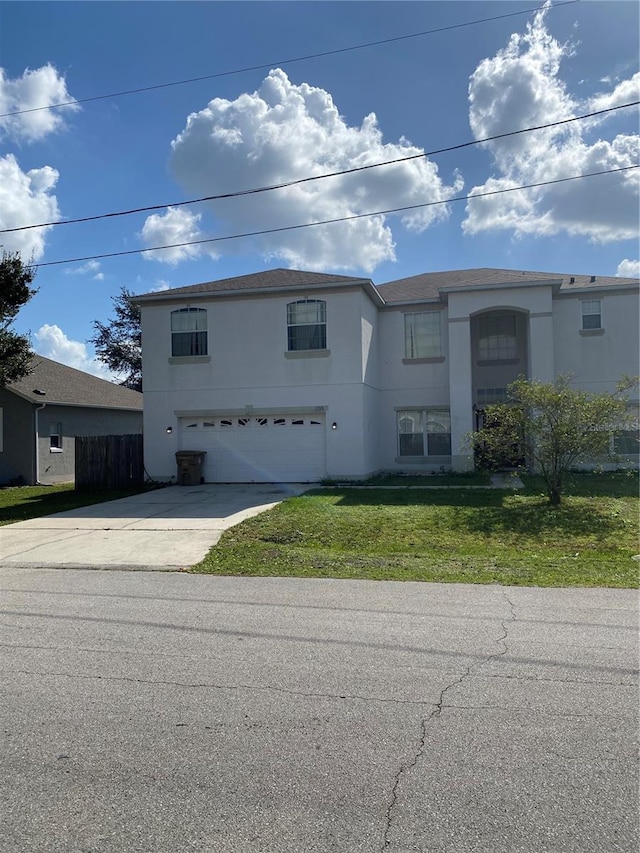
18	503
471	536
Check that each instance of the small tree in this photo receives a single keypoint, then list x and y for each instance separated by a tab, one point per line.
118	343
15	291
559	426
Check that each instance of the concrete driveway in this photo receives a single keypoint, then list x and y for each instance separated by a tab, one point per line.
165	529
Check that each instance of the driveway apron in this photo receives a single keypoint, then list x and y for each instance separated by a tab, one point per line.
167	529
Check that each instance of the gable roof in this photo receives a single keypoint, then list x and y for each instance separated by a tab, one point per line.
429	285
277	279
68	386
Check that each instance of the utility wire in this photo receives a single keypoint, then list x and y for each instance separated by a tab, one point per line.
296	181
319	55
333	221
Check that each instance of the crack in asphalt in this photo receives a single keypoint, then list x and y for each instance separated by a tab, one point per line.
213	686
437	712
511	709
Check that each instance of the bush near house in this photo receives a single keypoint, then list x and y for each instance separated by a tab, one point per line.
553	426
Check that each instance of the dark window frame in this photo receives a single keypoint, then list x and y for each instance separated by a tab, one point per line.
304	335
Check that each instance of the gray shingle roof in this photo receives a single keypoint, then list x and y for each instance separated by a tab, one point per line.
428	285
67	385
417	287
265	280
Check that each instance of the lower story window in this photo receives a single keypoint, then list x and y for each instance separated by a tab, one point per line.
424	432
627	442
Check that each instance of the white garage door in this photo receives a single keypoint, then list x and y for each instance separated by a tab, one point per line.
258	449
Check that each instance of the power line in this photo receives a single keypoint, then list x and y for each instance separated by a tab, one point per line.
333	221
284	185
319	55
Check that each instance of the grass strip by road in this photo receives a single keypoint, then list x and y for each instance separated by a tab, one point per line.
450	535
19	503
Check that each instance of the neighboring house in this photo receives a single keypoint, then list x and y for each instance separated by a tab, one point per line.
296	376
42	413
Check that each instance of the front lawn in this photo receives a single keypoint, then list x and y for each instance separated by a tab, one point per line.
457	535
18	503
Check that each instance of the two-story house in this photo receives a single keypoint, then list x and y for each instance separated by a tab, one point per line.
292	376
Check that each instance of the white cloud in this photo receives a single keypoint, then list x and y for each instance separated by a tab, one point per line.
54	344
177	225
39	87
625	92
160	284
87	269
628	269
26	198
520	87
284	132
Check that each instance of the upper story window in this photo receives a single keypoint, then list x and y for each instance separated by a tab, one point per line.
306	325
422	336
189	332
591	314
497	338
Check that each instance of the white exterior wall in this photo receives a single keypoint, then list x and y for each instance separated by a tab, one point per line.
535	301
407	386
370	340
363	380
597	361
248	366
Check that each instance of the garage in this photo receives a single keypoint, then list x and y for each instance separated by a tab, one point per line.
282	448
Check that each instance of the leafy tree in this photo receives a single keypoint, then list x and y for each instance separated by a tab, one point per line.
118	343
556	425
15	291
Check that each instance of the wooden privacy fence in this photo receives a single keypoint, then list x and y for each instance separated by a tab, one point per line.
109	462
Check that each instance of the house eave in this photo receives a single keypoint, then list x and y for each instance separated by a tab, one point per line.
79	405
167	296
603	288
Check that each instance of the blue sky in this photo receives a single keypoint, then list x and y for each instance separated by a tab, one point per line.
288	120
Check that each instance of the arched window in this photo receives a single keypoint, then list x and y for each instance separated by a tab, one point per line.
189	332
497	337
307	324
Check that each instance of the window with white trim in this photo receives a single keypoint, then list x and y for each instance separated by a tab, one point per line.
306	325
422	335
55	436
591	314
189	332
424	432
497	337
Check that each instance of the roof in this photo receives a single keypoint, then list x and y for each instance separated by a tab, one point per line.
429	285
426	286
71	387
276	279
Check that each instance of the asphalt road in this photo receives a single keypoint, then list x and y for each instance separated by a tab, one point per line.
165	713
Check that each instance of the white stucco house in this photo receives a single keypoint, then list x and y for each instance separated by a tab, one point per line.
285	375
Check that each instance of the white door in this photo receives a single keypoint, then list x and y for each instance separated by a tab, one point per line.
258	448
